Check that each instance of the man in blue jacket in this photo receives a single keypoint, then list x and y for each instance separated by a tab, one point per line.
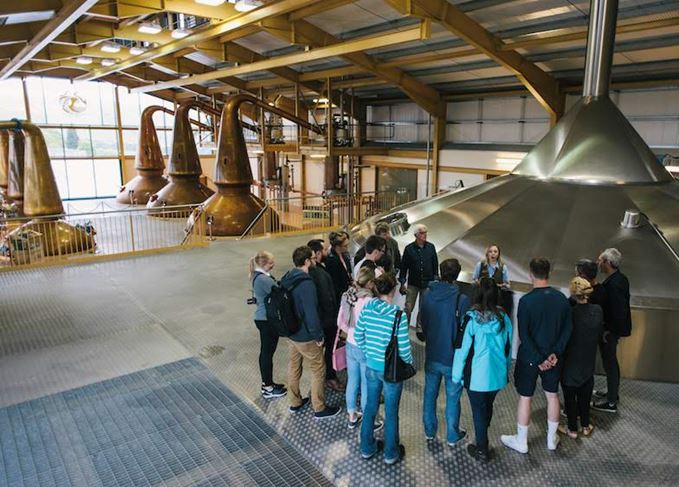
545	327
443	305
307	343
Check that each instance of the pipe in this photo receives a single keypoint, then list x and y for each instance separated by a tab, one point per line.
4	160
600	45
426	190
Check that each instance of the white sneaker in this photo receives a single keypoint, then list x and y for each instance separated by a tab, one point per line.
512	441
552	442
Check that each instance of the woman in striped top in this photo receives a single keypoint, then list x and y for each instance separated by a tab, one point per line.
372	335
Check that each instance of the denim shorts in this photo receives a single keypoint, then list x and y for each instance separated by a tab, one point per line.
526	377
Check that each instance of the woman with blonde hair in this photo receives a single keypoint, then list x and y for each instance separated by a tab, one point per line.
577	376
352	303
492	267
338	264
262	281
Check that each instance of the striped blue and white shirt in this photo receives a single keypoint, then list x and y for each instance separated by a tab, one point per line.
373	332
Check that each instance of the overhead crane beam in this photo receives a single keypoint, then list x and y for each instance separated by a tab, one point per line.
68	14
303	32
544	87
355	45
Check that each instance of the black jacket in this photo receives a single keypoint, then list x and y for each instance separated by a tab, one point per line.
580	356
341	276
617	314
327	298
390	261
419	265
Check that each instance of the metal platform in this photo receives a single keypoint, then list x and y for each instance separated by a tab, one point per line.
110	376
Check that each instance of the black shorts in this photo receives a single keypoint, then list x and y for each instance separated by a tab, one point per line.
526	376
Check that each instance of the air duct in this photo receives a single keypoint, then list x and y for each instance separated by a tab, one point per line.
565	201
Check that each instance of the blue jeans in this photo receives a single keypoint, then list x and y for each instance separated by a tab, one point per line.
392	397
356	380
434	371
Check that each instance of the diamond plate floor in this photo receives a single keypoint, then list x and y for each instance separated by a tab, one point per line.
175	424
195	301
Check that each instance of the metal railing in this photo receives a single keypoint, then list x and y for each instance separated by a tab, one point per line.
75	238
301	214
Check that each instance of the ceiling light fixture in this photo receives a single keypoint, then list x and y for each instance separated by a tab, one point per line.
211	3
110	47
108	62
321	100
180	33
246	5
136	50
83	60
149	28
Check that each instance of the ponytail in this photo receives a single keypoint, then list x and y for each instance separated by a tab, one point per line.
260	259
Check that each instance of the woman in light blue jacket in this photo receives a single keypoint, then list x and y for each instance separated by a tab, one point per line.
482	362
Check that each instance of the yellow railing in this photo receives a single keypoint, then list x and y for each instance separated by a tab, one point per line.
301	214
75	238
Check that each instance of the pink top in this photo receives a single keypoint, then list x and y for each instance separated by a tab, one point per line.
348	316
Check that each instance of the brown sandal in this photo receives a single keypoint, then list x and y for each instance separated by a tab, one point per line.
587	430
565	431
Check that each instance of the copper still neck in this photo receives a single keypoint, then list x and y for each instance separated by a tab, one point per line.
184	159
4	160
149	156
41	194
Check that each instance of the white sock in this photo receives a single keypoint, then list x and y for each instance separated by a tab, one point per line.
522	433
551	428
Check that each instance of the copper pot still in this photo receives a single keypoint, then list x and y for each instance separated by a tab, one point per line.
4	162
32	179
183	169
148	162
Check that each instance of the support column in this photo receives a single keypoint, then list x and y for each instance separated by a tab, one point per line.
439	139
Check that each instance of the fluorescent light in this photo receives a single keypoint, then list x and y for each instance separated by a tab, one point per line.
321	100
317	156
149	28
136	50
245	5
108	62
180	33
83	60
110	47
211	3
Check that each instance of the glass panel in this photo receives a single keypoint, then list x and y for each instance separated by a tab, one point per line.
390	179
55	144
77	142
36	100
129	108
105	143
12	100
108	104
130	142
107	177
87	99
64	103
81	178
59	169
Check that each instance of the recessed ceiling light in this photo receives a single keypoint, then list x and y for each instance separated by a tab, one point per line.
211	3
246	5
83	60
110	47
136	50
108	62
149	28
180	33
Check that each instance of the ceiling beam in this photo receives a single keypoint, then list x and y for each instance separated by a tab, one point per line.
318	8
68	14
28	6
354	45
134	8
544	87
215	30
303	32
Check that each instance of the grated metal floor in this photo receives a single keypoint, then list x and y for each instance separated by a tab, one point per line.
193	303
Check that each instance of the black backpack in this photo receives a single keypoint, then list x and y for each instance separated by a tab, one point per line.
280	310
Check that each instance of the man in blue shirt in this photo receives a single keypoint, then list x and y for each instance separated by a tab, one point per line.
443	305
545	327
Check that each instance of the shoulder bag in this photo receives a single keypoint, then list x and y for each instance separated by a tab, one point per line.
395	369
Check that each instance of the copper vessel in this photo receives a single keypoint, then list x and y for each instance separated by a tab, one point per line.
148	162
4	162
184	168
15	173
39	192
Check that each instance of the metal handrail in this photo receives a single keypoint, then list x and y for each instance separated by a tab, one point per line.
253	222
122	210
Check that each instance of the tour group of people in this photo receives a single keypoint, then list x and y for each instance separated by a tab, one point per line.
348	313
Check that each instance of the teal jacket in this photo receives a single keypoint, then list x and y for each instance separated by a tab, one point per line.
490	362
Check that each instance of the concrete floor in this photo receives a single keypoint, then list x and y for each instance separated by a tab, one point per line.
67	329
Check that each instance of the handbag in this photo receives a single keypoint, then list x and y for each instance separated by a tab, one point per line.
339	353
395	369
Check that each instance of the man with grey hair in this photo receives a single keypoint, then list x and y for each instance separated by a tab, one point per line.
617	324
419	266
